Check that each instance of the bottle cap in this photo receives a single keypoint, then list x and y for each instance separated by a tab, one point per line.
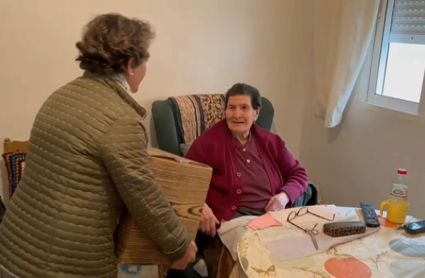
402	171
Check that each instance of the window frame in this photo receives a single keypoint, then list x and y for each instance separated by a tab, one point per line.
382	38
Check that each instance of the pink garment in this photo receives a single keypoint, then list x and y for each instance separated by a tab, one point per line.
263	222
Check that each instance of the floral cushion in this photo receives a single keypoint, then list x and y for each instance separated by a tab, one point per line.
15	165
197	113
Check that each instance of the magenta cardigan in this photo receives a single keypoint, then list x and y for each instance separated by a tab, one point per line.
215	148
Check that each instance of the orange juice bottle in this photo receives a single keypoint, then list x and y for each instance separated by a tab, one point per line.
397	205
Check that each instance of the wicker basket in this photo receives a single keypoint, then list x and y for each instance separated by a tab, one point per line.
186	184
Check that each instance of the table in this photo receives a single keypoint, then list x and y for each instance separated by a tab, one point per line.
386	253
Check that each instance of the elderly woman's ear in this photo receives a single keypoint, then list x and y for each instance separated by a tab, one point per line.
130	66
257	113
135	73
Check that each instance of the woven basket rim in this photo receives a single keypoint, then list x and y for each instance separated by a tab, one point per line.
158	153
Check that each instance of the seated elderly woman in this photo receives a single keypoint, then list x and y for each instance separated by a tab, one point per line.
253	171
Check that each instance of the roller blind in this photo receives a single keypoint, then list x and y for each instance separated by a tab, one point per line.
408	17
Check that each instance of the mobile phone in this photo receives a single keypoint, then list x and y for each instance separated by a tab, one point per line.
414	228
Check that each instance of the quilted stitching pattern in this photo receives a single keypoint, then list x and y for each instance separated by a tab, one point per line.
87	157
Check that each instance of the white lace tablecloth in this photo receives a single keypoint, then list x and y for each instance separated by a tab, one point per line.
386	253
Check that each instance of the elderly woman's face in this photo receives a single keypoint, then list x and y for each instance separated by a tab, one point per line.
240	115
135	75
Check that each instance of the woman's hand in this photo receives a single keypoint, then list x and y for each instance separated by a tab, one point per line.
208	223
189	257
278	202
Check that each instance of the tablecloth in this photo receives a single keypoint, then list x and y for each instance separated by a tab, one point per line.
387	253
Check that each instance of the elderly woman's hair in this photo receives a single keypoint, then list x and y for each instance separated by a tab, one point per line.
242	89
110	40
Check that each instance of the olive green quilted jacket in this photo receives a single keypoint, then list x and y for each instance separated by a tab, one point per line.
87	160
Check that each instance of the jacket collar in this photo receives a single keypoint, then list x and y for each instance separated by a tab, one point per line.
121	90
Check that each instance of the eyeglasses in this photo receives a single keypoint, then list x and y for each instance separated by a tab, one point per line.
312	232
302	211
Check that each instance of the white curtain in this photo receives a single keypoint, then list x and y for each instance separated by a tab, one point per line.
342	34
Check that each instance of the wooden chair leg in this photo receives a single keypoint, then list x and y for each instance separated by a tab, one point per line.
226	264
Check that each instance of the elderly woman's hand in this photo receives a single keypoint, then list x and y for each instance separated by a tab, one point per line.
208	223
278	202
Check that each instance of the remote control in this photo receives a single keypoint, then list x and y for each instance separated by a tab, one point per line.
369	215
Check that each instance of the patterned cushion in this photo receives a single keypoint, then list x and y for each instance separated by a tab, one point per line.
15	164
196	113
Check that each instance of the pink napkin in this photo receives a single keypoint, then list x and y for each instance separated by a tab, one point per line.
263	222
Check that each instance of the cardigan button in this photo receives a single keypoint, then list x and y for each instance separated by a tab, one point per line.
238	191
233	208
238	174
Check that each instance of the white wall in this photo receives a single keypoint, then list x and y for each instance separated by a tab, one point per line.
357	160
201	46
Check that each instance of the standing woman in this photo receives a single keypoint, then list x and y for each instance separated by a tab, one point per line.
87	160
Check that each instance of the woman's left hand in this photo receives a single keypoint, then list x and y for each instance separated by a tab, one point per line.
278	202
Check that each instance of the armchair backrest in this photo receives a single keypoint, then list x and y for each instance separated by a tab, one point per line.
179	120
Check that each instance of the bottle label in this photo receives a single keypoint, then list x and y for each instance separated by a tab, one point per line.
399	193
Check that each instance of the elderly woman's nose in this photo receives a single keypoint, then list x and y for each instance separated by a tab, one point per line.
237	113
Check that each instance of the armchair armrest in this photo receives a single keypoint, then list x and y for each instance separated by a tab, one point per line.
165	127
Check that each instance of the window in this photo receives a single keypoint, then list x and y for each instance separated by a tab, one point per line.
398	61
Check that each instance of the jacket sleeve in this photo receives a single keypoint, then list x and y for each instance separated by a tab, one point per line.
124	152
295	180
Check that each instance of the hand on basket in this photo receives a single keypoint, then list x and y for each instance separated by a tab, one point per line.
189	257
208	223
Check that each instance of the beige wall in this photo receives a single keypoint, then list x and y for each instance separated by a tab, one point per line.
201	46
206	46
357	160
